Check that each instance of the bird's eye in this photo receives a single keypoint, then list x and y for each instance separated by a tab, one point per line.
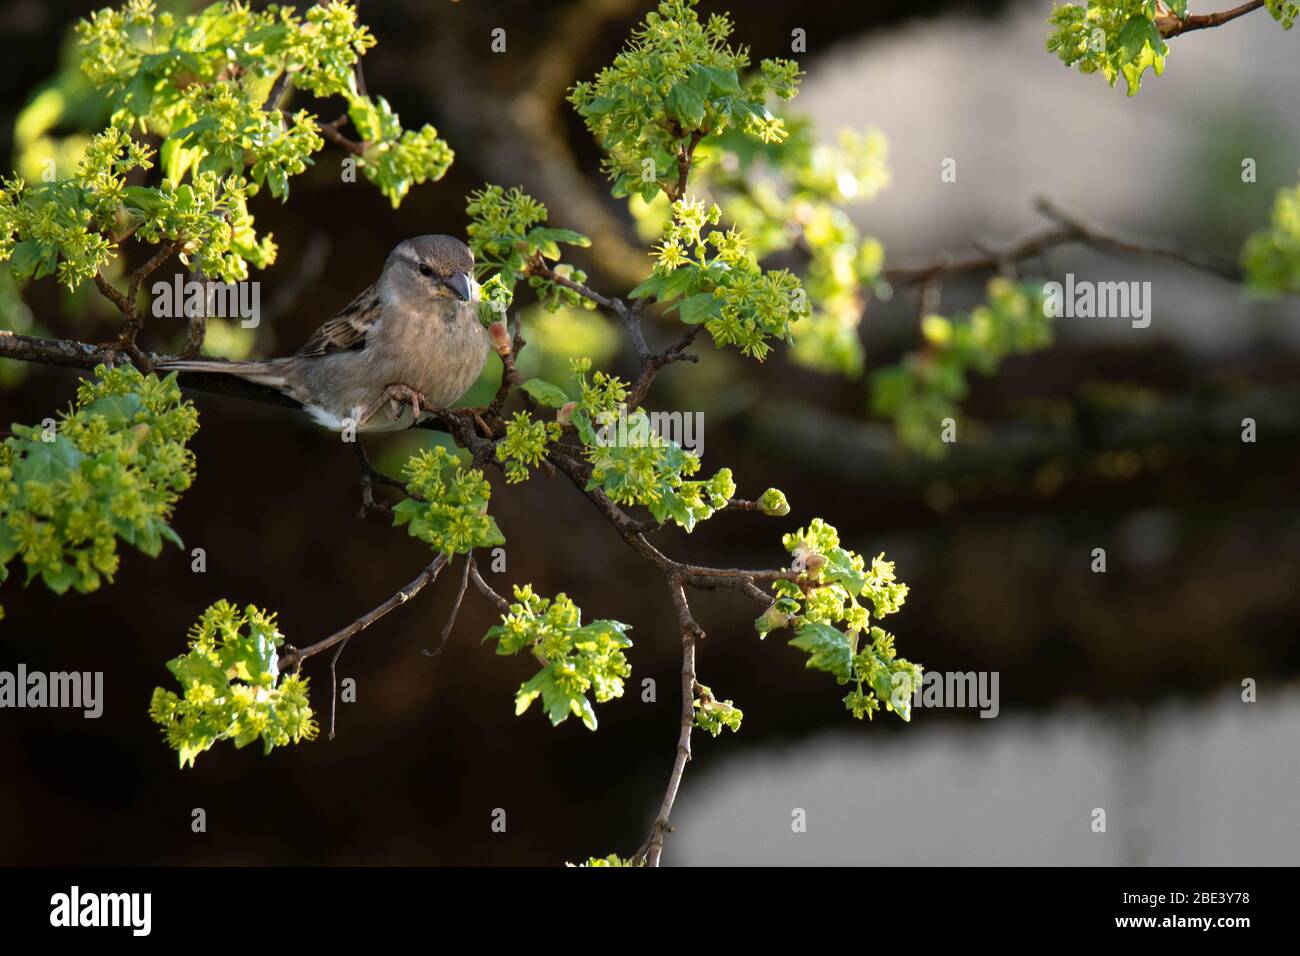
426	271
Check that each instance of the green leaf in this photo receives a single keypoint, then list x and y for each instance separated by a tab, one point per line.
26	257
552	396
722	81
59	579
829	649
119	410
556	701
687	105
143	198
839	569
48	461
698	308
1134	35
549	234
649	289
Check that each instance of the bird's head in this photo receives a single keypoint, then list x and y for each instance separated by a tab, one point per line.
429	267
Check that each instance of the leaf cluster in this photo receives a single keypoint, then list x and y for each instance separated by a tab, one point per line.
576	659
447	507
1271	256
111	468
831	606
1112	37
200	83
634	464
924	388
676	81
712	715
232	688
508	236
712	276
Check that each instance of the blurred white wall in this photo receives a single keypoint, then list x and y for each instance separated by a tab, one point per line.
1212	784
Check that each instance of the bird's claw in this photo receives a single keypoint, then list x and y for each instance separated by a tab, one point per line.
396	396
399	395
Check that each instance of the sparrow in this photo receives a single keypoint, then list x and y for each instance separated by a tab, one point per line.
413	340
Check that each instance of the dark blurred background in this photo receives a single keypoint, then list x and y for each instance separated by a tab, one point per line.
1202	531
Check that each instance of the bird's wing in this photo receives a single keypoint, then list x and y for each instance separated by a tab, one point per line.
347	330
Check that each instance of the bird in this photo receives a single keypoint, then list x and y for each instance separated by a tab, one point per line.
413	340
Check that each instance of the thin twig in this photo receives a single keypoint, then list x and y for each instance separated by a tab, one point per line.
369	475
487	591
294	658
331	132
134	318
1067	229
685	156
334	684
455	608
1111	241
652	364
111	293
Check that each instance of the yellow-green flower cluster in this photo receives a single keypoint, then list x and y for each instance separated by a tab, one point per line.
677	81
714	278
524	445
447	509
111	468
232	688
200	83
507	236
830	601
575	658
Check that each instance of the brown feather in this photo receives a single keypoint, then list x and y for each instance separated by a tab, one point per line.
345	332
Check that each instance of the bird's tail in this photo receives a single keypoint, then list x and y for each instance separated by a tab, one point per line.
270	373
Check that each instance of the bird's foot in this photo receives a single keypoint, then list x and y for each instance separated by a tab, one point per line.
398	395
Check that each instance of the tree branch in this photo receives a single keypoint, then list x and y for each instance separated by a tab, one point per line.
331	132
698	576
295	656
1171	26
685	156
1067	229
68	353
652	850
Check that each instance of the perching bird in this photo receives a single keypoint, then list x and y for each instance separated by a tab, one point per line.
413	339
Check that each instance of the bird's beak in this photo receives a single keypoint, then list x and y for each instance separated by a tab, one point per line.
463	284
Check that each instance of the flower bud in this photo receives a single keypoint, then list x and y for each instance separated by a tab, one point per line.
564	414
773	619
500	338
773	503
